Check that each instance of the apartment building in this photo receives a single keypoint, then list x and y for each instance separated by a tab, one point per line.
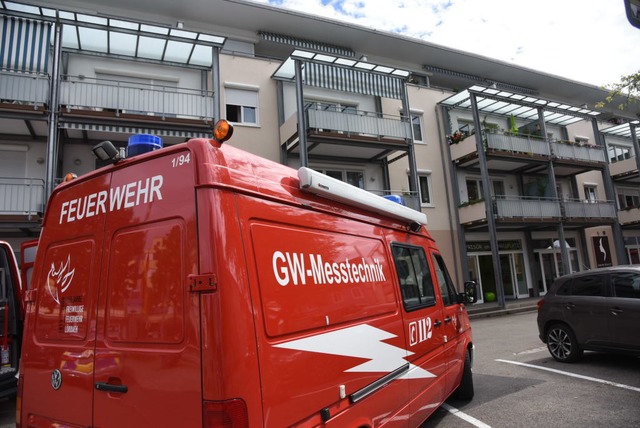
521	179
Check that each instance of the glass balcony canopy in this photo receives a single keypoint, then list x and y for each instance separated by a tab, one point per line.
622	130
497	101
118	36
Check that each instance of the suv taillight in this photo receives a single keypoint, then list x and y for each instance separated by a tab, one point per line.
540	303
225	414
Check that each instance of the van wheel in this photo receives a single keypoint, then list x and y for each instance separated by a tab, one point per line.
465	389
562	344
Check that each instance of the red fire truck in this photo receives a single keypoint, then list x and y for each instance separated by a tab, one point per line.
201	286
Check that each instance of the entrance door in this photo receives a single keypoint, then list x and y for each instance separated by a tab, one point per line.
551	267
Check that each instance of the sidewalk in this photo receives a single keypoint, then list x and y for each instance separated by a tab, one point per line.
485	310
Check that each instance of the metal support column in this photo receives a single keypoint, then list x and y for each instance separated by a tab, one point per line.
488	203
215	76
302	122
413	169
564	253
618	238
51	166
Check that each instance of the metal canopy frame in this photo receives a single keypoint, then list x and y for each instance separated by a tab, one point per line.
116	36
499	102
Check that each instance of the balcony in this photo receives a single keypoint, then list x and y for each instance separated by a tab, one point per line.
577	152
629	216
521	148
103	95
21	199
524	209
624	169
351	124
575	210
30	90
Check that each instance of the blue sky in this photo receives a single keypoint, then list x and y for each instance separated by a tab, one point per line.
589	41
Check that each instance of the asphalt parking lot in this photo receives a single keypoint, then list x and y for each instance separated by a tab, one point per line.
518	384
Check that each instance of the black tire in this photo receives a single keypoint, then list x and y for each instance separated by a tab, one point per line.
465	389
562	344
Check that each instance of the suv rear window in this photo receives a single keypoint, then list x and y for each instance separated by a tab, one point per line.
626	284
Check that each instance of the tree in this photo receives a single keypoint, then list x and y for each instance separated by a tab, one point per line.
626	92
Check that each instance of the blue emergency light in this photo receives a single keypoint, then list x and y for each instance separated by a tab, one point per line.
143	143
396	198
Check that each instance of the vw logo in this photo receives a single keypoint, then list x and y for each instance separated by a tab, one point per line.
56	379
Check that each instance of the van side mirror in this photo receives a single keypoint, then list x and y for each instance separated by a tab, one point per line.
470	292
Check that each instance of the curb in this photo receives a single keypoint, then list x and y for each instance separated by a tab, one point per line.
501	312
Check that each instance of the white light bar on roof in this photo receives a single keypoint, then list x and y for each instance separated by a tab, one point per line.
322	185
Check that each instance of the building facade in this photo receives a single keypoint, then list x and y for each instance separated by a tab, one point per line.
521	180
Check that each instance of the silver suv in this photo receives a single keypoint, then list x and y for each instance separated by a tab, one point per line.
596	310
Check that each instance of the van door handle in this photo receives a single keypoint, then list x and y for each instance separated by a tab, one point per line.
447	320
108	387
437	323
570	305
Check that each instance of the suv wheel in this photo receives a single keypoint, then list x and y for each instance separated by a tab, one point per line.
562	344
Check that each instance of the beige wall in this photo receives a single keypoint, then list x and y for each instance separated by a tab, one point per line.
253	73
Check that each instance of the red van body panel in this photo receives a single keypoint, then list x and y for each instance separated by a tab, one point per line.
196	283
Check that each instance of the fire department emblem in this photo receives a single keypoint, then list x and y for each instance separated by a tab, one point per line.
56	379
60	278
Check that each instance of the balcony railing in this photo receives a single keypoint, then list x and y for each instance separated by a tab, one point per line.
123	97
589	209
629	216
357	122
522	144
24	88
21	196
524	208
572	151
518	144
624	167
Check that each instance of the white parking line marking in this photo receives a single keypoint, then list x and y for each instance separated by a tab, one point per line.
589	378
473	421
531	351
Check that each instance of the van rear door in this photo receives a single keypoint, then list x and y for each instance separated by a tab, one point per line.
147	356
10	324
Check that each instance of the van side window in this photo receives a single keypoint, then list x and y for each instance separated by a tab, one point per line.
415	279
447	289
626	284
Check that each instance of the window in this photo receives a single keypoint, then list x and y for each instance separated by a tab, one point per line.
355	178
416	285
416	123
618	152
590	193
448	291
424	180
628	198
588	285
242	105
474	189
626	284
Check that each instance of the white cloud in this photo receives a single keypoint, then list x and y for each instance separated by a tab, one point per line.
588	41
